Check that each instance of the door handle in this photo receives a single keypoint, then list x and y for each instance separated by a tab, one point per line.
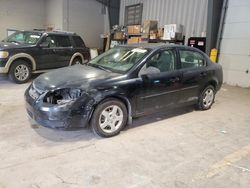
174	79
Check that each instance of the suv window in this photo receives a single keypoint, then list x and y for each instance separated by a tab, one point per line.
62	41
78	41
191	59
163	61
50	40
57	41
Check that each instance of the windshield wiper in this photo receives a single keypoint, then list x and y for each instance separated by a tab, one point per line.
100	67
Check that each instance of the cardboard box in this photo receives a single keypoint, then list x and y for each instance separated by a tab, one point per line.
119	35
149	25
134	29
137	29
173	32
130	29
153	35
133	40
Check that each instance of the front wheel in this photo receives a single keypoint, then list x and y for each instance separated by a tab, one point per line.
109	118
20	72
206	98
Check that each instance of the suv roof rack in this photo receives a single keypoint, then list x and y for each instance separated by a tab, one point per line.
39	30
65	32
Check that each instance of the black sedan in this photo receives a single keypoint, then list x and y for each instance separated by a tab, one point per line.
124	82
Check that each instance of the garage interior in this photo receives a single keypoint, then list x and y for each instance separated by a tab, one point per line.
178	148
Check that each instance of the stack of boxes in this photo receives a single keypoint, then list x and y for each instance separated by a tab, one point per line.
134	30
149	30
141	34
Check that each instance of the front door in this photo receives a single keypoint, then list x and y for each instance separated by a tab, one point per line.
46	56
160	82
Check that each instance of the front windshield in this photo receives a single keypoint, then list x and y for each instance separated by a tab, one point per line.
24	37
119	59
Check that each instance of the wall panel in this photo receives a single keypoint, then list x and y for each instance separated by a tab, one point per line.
190	13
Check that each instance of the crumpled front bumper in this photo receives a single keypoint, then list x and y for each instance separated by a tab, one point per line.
56	116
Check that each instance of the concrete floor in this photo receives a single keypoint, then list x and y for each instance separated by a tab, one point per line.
184	148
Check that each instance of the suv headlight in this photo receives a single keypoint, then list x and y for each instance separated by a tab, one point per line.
62	96
4	54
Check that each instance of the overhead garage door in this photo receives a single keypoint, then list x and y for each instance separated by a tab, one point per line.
235	45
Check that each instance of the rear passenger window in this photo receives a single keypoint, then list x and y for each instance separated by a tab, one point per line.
62	41
78	41
191	59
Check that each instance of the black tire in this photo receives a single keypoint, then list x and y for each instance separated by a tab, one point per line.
206	104
76	61
26	72
97	115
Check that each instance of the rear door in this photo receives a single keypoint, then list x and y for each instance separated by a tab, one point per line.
195	73
160	82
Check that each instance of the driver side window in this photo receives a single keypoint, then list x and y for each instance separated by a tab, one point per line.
163	61
50	41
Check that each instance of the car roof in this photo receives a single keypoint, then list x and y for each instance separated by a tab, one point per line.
157	46
50	32
152	46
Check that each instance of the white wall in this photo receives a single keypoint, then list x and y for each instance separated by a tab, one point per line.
81	16
235	44
21	14
84	17
54	14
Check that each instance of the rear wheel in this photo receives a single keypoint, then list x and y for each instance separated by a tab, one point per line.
109	118
206	98
20	72
77	61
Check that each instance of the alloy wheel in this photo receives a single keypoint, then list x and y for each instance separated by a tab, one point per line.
208	97
111	119
21	72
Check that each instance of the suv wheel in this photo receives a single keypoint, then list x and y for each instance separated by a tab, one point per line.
20	72
206	98
109	118
77	61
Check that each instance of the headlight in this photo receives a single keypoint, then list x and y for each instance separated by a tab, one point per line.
4	54
62	96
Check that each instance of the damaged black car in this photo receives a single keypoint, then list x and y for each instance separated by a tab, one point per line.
122	83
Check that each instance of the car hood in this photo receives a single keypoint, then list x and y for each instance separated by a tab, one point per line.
77	76
10	45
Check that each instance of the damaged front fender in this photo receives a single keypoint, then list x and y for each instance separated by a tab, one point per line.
73	113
